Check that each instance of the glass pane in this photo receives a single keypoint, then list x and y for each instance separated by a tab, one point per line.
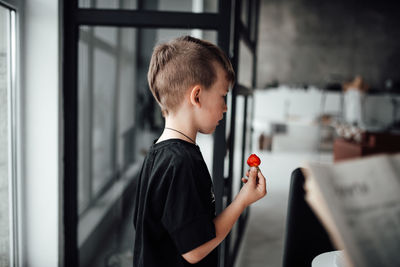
228	131
245	67
118	122
245	11
195	6
4	141
127	75
237	159
249	138
103	105
253	26
84	137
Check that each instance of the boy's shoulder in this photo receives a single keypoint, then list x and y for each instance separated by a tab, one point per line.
171	158
175	151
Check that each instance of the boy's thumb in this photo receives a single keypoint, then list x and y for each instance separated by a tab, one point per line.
253	173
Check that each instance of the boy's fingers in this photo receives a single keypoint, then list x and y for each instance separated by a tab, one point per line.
261	180
260	175
253	174
244	180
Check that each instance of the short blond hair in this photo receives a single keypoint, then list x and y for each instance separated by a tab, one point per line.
177	65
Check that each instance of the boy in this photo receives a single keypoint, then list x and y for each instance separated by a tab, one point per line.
174	214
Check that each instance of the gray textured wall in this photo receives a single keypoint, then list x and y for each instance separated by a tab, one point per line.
314	42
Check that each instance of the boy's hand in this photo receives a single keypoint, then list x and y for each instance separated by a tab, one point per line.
254	187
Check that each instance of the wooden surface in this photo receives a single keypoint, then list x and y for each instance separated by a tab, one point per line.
372	143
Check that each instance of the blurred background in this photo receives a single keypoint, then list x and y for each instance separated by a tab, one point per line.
316	81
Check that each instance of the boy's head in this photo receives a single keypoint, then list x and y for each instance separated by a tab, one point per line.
182	63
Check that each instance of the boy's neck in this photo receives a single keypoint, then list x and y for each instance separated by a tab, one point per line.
179	126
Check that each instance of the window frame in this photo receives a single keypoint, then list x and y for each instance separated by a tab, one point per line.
13	135
10	4
247	33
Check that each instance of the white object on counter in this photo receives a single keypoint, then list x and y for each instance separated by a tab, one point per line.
329	259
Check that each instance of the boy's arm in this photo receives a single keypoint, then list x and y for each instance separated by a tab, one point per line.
253	190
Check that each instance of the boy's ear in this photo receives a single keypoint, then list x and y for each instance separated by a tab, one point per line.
195	95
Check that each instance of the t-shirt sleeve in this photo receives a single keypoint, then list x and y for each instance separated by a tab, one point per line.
186	214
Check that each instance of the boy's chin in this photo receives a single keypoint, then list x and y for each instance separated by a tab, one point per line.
208	131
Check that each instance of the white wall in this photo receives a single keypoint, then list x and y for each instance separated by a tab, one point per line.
42	136
286	104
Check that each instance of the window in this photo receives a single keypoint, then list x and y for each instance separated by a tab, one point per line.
195	6
7	133
245	74
118	119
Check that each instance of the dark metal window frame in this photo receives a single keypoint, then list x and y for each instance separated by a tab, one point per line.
241	32
73	17
10	4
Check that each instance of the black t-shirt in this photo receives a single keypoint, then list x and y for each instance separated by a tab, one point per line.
175	206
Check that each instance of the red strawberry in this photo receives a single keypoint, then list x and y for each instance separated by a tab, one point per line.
253	160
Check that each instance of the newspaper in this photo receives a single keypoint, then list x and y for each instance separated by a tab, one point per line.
358	201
